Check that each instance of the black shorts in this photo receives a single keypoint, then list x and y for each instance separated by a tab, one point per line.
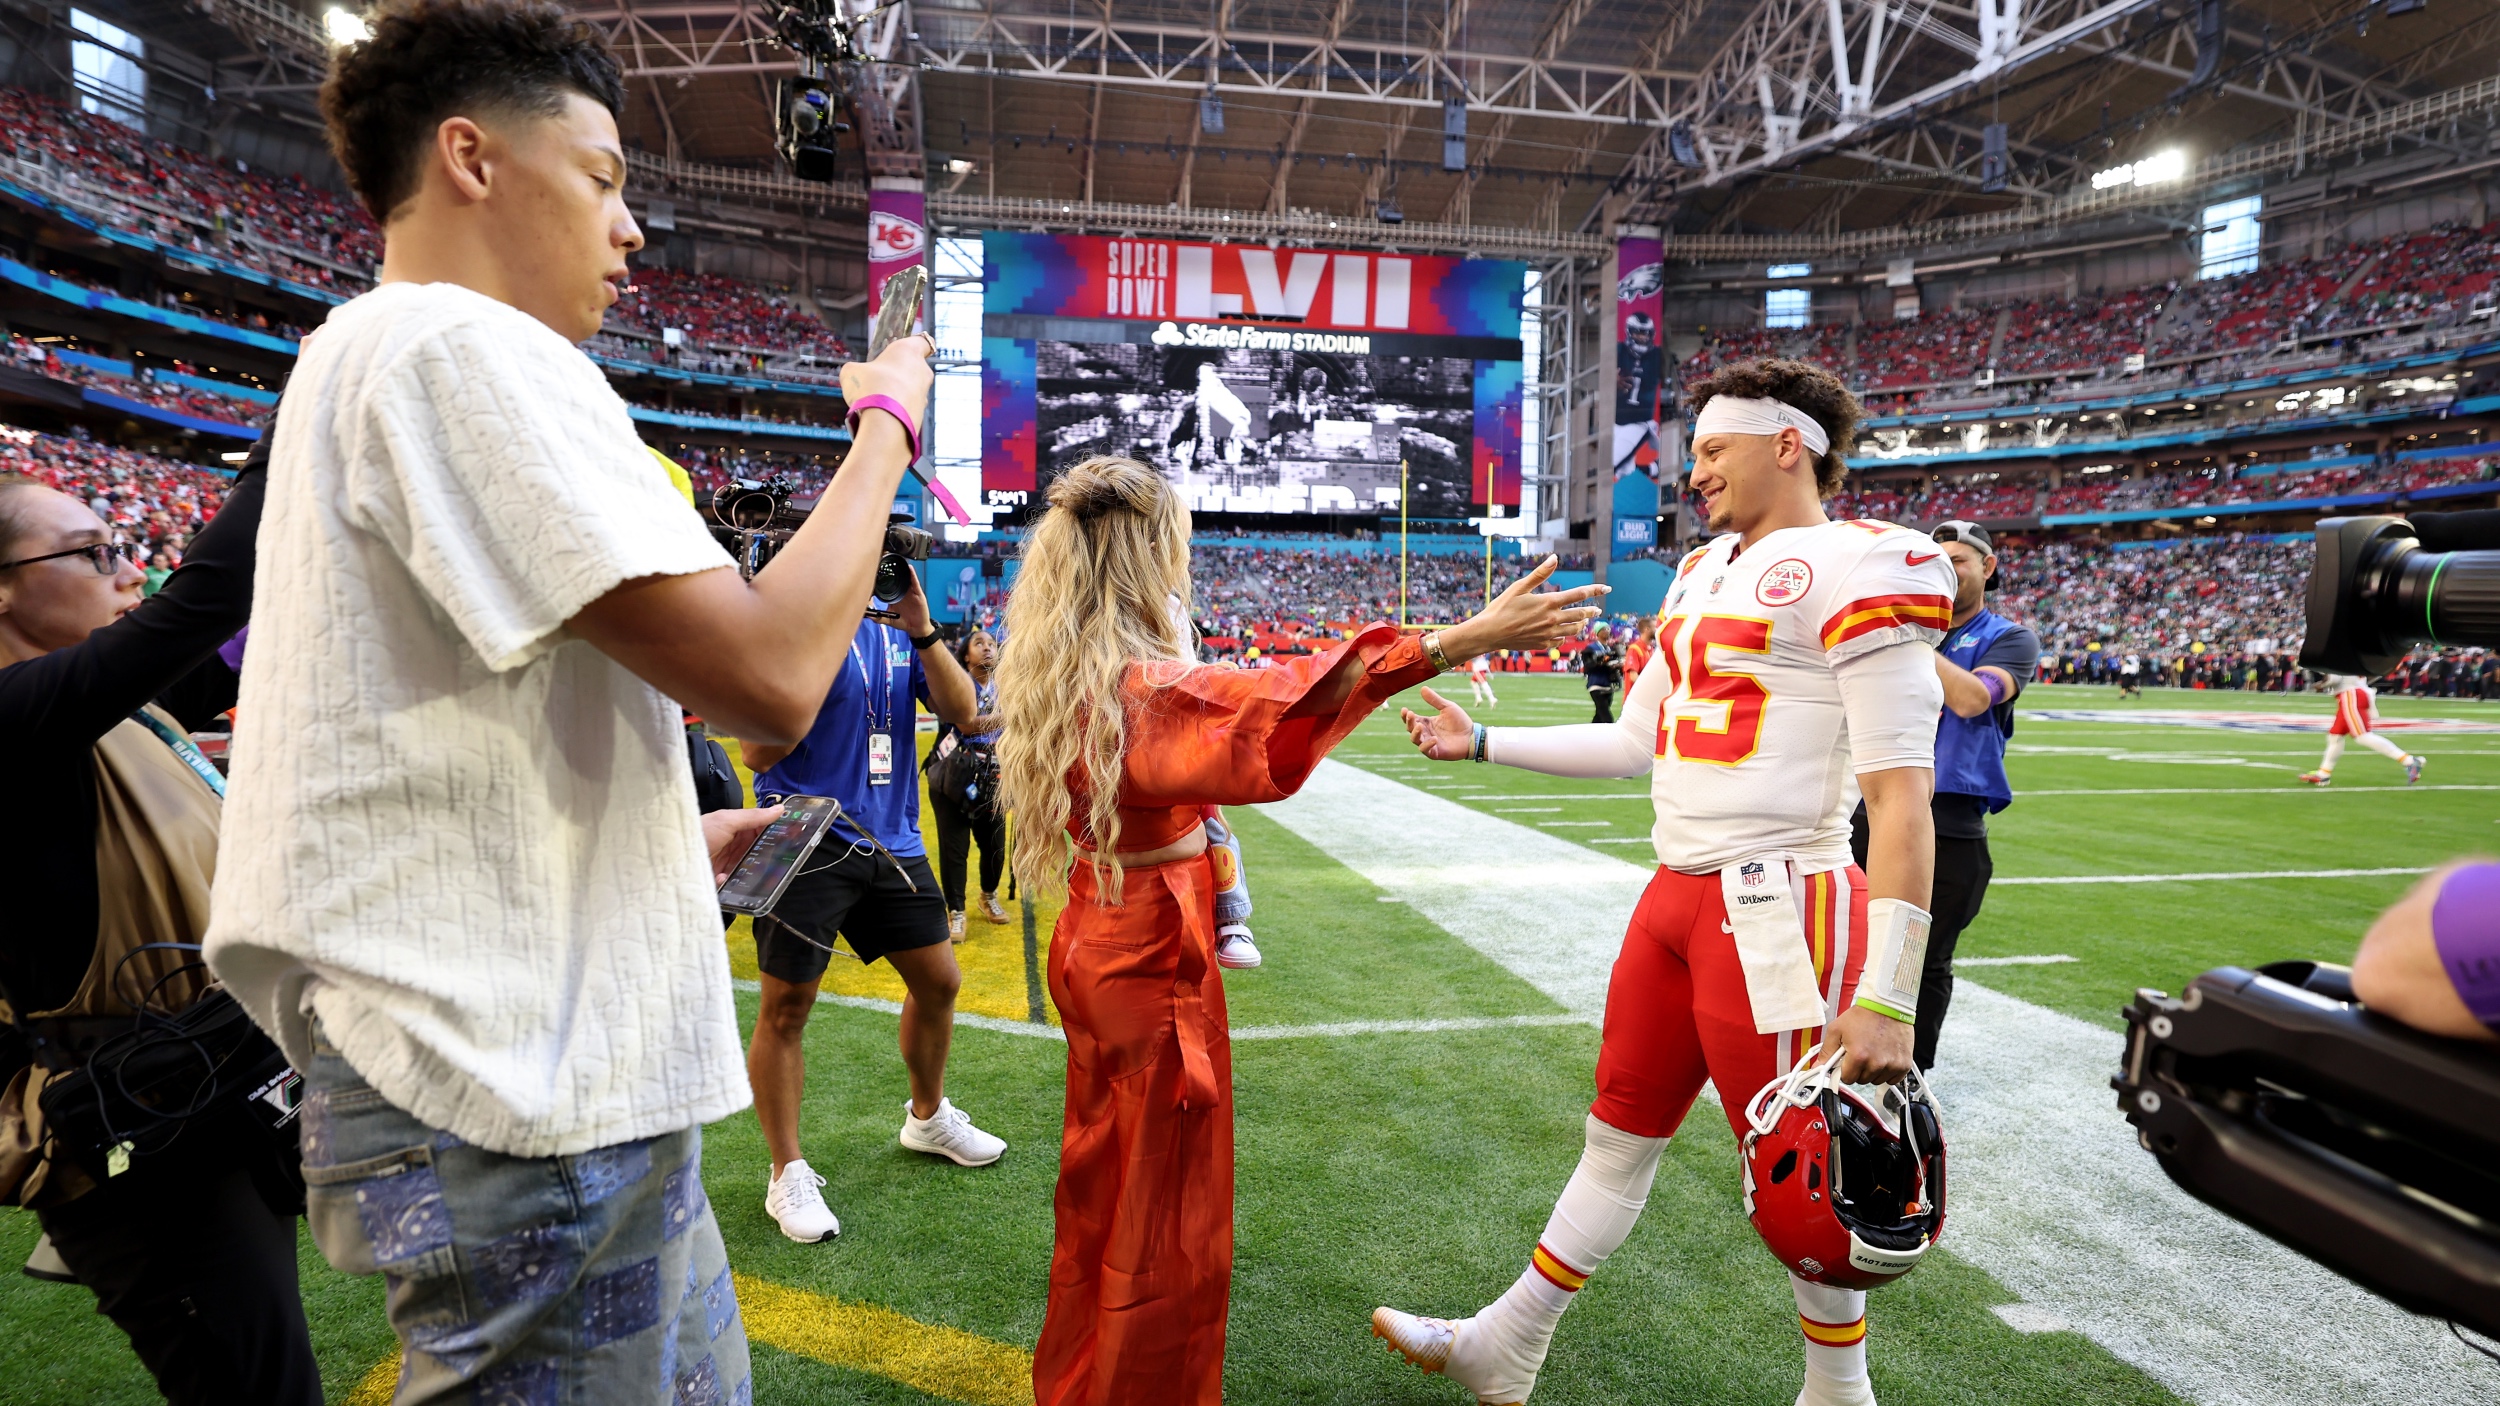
859	895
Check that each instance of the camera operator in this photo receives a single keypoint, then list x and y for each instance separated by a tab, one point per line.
2432	961
108	838
963	792
868	882
1983	662
464	880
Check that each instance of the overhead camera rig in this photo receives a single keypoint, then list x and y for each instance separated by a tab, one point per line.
851	83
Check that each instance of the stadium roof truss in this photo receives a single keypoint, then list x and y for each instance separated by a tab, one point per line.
1100	49
1800	77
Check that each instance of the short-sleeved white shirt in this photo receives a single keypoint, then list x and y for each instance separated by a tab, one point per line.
463	838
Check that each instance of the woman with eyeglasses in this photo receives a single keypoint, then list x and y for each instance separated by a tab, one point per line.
108	839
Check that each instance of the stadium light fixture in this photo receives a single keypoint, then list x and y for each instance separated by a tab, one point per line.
2155	169
344	28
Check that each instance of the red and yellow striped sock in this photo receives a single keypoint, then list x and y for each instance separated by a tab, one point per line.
1561	1275
1834	1324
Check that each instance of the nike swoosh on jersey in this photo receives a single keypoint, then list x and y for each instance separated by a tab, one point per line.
1915	559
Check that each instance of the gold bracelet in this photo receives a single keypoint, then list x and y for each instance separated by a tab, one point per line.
1432	651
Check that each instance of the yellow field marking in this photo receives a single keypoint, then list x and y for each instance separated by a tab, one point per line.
944	1362
991	955
375	1389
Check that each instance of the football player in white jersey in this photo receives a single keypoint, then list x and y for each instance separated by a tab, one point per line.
1795	669
2356	717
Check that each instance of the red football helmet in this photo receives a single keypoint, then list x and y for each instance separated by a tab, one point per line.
1844	1192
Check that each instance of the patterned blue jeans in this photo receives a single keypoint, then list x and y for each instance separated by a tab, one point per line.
525	1281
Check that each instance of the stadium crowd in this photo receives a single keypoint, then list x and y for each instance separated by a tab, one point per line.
1985	498
179	197
153	505
2434	276
723	313
146	388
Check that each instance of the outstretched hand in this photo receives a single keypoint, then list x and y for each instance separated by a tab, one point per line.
1446	735
1523	617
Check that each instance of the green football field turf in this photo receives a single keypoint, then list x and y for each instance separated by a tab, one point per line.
1417	1167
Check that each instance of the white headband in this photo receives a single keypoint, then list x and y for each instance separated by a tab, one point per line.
1728	414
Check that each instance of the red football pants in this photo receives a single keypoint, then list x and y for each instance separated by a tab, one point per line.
2353	714
1677	1012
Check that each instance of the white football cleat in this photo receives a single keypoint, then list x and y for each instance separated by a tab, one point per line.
1461	1351
796	1201
1857	1391
949	1133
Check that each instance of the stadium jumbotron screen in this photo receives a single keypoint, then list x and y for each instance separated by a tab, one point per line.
1261	381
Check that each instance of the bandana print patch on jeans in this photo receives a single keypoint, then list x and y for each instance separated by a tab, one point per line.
530	1264
621	1303
404	1216
681	1197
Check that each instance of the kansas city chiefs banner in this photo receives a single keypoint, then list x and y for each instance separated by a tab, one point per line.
897	234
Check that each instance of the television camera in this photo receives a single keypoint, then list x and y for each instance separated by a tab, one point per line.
819	105
2382	585
755	518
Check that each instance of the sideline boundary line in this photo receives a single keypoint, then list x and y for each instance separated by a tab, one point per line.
2214	878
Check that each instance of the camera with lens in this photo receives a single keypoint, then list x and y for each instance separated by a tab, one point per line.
904	544
2382	585
755	518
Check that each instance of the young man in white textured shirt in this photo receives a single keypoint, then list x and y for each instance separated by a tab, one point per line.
464	883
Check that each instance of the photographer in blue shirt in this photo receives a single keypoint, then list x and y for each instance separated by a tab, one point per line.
1984	662
868	881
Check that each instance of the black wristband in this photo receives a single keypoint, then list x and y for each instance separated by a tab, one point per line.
928	639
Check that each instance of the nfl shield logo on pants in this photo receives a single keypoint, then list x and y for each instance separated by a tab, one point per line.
1750	874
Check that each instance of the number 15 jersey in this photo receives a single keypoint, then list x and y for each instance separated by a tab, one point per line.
1744	698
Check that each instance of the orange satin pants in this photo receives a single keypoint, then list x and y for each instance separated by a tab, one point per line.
1141	1263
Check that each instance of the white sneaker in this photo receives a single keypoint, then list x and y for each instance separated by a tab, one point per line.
1857	1391
796	1202
1233	948
949	1133
1461	1351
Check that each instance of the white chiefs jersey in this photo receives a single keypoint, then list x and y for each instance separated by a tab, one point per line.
1752	749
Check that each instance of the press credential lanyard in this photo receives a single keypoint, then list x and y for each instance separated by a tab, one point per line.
880	736
185	749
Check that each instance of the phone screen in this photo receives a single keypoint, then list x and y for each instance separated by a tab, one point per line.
777	856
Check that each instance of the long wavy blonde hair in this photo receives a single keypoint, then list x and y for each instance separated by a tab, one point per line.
1094	596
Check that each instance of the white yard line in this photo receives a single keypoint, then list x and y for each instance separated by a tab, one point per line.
1401	1027
2045	960
1326	1030
2231	790
2001	881
2051	1195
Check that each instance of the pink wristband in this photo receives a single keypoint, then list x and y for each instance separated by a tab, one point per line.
893	407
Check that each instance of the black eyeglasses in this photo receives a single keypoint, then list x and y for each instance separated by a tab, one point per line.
105	557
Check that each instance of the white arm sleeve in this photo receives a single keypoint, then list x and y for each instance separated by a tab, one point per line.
1585	750
1624	747
1892	699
